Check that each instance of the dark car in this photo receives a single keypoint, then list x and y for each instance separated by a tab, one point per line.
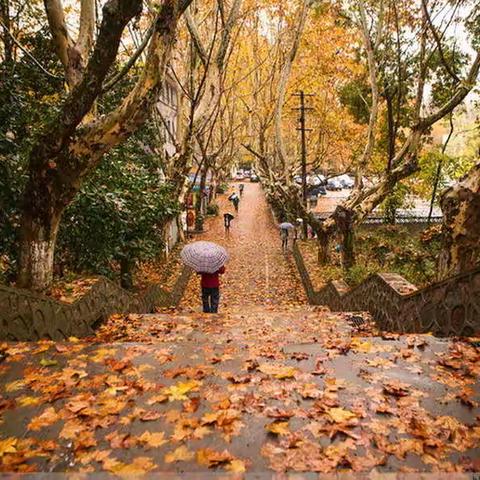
318	190
254	178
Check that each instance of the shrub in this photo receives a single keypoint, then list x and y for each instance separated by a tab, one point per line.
222	188
213	209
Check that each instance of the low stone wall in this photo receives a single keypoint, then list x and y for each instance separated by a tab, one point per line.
28	316
451	307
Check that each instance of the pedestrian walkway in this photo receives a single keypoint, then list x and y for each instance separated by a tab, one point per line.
258	272
269	384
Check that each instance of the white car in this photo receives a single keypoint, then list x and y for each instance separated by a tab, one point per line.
346	181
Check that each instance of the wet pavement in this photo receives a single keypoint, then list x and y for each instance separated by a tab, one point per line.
270	384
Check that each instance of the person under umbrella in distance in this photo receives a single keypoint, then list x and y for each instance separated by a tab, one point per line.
284	228
235	199
207	259
227	220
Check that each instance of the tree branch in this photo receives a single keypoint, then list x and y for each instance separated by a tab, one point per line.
87	28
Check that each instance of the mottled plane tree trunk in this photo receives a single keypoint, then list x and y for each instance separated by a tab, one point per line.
461	226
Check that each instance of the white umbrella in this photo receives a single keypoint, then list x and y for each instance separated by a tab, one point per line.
204	257
286	226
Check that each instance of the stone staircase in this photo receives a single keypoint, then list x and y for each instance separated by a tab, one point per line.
297	389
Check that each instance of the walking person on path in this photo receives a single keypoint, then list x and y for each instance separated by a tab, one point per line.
240	188
284	237
227	220
236	201
210	284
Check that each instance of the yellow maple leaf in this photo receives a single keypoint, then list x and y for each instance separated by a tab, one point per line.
154	440
278	428
340	415
179	391
359	346
278	371
181	454
13	386
26	401
9	445
140	465
236	466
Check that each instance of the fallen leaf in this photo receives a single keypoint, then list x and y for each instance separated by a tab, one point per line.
45	419
340	415
181	454
278	371
278	428
154	440
9	445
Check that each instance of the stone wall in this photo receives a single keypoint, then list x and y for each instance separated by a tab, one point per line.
28	316
451	307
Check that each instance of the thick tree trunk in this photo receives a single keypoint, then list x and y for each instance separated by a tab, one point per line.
323	247
126	272
37	247
461	226
344	219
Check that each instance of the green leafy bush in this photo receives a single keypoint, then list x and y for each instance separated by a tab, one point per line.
213	209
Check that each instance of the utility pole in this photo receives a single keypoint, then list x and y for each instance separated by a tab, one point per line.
303	131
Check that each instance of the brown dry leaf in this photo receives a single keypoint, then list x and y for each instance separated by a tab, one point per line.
396	388
211	458
181	454
157	399
47	418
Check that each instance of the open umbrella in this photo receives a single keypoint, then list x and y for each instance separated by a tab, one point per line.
286	226
232	196
229	216
204	257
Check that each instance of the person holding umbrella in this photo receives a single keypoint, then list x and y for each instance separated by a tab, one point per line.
210	283
227	220
284	228
235	199
208	260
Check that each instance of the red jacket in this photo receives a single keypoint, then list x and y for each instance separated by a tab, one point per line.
211	280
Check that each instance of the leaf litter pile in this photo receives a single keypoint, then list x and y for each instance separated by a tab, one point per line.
273	386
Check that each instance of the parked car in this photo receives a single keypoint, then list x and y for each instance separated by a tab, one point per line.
239	176
333	184
254	178
345	181
318	190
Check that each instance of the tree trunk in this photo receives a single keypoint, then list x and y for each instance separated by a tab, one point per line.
37	247
461	226
344	219
323	246
126	272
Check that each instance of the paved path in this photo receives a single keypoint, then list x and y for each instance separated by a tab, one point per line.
270	384
258	273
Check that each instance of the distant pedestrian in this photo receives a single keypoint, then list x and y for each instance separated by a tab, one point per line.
210	284
227	220
236	201
240	188
284	237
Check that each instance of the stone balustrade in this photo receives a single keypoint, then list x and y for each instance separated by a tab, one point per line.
25	315
450	307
